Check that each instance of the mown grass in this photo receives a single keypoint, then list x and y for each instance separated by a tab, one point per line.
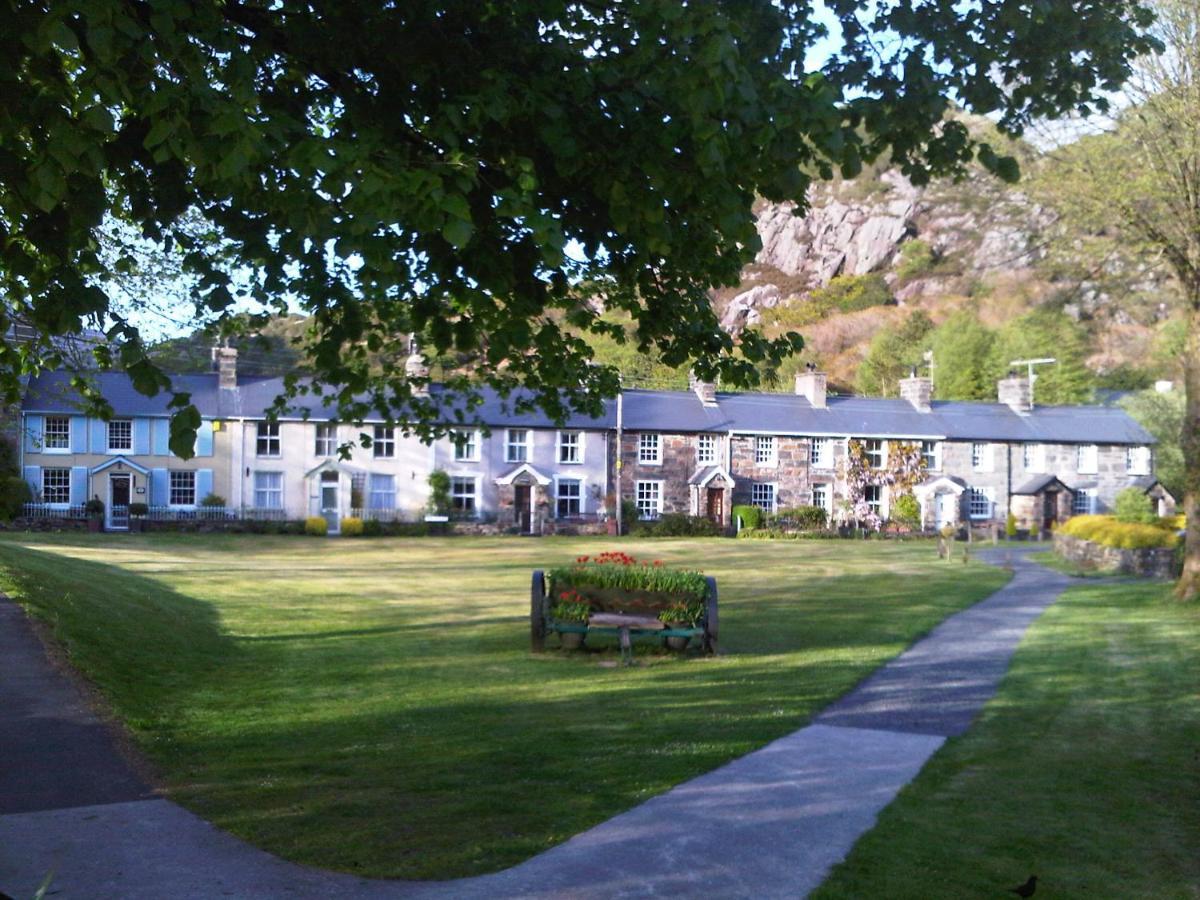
372	706
1083	770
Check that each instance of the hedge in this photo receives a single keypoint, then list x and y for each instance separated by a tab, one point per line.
1108	531
751	516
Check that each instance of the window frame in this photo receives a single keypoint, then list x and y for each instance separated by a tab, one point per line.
1087	451
706	449
372	491
465	442
523	445
989	500
1087	494
820	453
639	495
826	504
326	433
934	453
770	458
172	488
1033	457
576	446
383	442
983	462
870	453
650	448
457	495
65	447
876	505
64	486
266	434
771	489
108	436
258	473
559	498
1133	454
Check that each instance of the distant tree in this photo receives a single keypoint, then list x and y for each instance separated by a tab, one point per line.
1140	180
961	350
1161	414
893	353
1045	334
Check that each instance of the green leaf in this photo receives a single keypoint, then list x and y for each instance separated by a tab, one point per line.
458	232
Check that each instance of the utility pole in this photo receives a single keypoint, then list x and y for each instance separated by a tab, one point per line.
1030	363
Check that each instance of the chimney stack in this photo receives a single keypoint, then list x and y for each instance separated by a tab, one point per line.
705	390
811	384
918	391
416	368
1016	393
225	363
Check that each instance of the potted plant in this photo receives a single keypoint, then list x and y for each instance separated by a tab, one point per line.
680	616
94	509
571	608
137	516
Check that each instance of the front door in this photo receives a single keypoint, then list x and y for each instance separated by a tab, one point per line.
118	502
329	501
715	506
945	510
522	507
1049	510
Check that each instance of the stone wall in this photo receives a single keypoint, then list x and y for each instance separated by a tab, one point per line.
1159	563
678	454
790	474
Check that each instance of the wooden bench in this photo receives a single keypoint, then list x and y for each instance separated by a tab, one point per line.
624	625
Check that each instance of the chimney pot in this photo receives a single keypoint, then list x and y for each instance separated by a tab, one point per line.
812	384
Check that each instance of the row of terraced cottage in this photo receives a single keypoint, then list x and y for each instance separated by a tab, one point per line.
697	452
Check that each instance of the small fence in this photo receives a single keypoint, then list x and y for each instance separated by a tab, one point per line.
163	513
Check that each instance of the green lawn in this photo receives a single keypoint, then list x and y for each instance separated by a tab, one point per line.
1084	770
372	706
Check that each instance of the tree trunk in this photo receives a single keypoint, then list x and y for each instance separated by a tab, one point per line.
1189	582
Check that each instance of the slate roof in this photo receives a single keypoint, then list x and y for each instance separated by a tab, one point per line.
1038	484
667	411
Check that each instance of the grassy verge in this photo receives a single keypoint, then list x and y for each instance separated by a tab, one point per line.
373	707
1052	560
1084	770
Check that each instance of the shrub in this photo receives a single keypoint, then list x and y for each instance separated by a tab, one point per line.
629	513
14	494
750	516
1132	505
851	293
1108	531
372	528
316	526
677	525
916	259
806	518
1010	526
907	511
94	508
1173	523
352	526
215	501
138	509
439	492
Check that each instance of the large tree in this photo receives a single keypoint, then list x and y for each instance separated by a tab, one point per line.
456	168
1138	181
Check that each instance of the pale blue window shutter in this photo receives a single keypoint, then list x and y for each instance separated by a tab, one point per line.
204	483
141	436
79	485
160	487
161	443
33	434
99	436
33	475
204	439
79	434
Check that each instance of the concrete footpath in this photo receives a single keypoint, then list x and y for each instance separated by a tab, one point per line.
770	824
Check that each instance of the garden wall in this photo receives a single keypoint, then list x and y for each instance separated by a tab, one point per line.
1155	563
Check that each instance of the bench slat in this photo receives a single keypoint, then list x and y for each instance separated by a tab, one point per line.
620	620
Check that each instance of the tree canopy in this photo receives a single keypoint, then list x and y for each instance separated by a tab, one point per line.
456	168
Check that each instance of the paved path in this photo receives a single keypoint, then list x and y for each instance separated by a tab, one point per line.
770	824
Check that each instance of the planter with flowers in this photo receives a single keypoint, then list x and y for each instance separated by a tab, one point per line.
615	593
